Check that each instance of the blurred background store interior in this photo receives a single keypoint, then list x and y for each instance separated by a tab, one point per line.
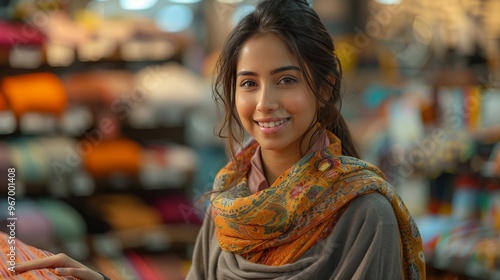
107	115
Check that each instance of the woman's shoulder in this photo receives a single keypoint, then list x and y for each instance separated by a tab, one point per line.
372	206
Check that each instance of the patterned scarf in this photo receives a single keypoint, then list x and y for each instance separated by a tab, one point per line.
277	225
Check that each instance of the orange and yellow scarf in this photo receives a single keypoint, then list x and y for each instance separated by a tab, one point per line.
277	225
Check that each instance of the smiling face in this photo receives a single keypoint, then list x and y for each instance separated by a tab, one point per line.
273	101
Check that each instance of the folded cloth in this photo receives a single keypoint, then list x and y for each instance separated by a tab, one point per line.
21	253
5	164
176	209
35	92
125	211
32	225
14	34
101	88
3	102
112	156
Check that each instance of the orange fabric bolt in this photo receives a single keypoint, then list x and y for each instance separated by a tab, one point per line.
111	156
36	92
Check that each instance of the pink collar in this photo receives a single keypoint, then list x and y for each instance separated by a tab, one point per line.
257	180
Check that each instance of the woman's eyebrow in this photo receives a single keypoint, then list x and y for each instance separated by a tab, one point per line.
246	73
285	68
275	71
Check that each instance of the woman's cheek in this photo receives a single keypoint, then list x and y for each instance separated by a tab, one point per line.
299	103
243	107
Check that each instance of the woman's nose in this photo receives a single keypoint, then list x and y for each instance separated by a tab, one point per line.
267	100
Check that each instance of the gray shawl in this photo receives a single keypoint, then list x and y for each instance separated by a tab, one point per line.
365	244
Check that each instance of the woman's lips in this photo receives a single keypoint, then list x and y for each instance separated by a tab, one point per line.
272	127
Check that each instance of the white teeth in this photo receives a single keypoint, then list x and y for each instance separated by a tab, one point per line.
272	124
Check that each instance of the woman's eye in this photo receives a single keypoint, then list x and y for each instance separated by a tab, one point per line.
248	84
287	81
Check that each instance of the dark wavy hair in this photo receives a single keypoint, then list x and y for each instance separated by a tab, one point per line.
298	25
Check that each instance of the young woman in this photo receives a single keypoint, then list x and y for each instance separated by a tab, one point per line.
294	202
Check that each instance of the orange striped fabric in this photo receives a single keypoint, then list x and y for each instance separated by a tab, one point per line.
15	251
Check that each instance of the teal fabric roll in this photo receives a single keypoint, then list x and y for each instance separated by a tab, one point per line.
32	225
67	223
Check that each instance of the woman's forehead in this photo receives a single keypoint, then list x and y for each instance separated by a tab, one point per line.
263	52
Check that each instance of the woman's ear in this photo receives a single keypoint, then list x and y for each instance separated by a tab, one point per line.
332	79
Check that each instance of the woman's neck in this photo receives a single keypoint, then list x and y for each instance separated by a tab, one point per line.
275	164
